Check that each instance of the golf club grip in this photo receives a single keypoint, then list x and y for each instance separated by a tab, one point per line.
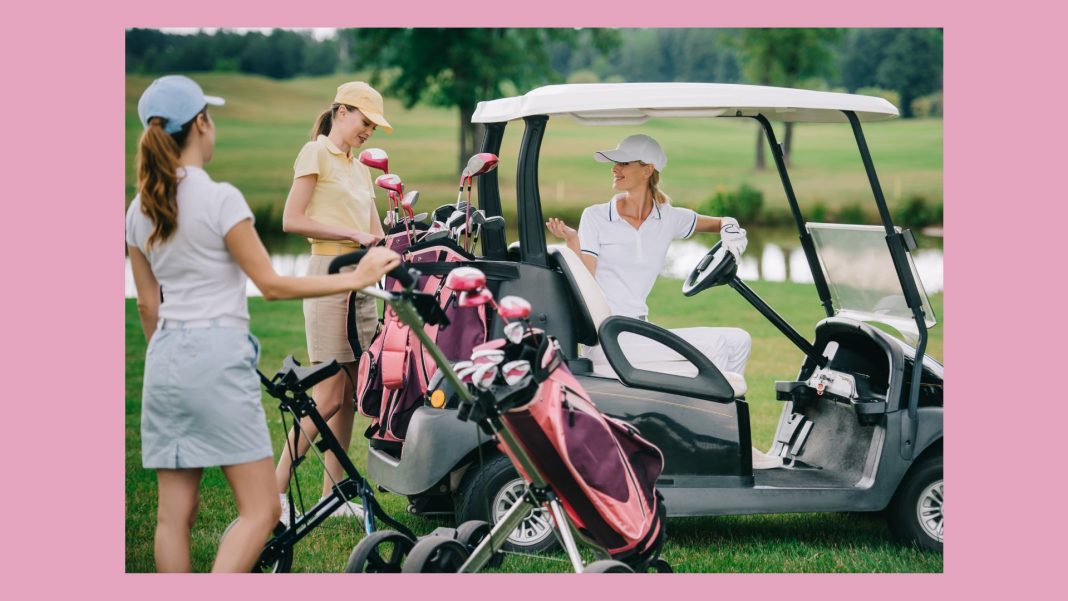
400	272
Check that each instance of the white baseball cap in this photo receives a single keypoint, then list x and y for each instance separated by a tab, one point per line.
638	147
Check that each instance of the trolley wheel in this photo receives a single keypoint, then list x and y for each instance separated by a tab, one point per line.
281	564
436	554
381	552
471	534
608	566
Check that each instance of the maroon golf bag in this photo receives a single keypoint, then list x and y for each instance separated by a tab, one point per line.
601	469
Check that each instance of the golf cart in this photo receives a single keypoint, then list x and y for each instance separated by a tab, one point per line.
861	423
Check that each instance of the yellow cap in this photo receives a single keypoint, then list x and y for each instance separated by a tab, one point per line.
365	98
437	399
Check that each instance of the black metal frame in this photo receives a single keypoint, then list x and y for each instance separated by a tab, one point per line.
289	387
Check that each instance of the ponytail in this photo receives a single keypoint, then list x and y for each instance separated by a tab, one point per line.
654	189
157	177
325	122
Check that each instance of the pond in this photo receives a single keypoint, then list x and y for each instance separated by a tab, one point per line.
773	255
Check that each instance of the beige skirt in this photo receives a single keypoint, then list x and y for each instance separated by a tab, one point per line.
325	319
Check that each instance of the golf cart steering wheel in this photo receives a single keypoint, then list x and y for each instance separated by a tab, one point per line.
716	268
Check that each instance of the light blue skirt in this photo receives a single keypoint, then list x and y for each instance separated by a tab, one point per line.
201	404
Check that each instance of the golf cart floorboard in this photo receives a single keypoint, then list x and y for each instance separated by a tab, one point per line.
801	478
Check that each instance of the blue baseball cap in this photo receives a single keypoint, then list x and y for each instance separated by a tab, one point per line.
175	98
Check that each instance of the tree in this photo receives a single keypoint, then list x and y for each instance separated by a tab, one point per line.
459	67
912	65
784	57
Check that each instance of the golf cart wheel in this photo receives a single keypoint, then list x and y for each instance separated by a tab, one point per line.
436	555
380	552
472	533
283	563
916	513
486	494
608	566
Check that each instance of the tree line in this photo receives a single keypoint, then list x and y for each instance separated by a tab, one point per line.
459	67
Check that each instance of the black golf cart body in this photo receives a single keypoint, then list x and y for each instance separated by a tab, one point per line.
842	451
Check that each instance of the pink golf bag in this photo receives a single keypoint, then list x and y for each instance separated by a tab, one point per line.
395	369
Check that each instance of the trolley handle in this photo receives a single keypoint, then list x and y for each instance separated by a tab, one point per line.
399	273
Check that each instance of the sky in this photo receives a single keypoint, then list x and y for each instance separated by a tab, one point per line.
320	33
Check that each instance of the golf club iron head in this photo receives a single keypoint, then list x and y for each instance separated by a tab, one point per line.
514	332
514	371
408	202
484	356
375	158
484	376
464	375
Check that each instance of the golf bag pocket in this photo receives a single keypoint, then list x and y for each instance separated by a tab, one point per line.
369	380
394	362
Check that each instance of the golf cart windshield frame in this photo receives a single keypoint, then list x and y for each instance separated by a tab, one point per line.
532	245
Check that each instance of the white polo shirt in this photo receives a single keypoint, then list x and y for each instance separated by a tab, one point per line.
628	259
194	267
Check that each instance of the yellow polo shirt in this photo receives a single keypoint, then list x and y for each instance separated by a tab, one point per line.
344	192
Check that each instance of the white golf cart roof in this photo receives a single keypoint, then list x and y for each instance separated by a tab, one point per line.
635	103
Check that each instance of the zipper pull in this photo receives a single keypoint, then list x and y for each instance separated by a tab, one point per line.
570	410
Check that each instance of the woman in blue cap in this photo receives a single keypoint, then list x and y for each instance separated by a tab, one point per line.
191	243
624	244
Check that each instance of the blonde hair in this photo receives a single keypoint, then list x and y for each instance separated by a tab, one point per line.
158	156
654	188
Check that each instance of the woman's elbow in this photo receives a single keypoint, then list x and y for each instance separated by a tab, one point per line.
288	225
147	309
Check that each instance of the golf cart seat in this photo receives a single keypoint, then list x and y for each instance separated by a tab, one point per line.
591	305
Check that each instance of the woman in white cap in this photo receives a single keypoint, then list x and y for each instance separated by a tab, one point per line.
191	242
332	203
624	243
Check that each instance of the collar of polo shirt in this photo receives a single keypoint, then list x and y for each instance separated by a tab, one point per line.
333	148
613	212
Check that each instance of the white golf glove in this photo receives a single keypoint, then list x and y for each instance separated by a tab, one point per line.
733	236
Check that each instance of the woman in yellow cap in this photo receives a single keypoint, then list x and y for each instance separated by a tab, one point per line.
332	204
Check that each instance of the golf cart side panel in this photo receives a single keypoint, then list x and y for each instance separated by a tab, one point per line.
438	443
929	431
701	440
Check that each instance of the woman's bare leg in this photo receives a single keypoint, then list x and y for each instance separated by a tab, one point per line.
257	511
179	496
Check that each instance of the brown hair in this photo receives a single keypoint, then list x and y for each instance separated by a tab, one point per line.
326	120
157	176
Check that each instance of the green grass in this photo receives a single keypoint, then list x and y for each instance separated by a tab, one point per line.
265	122
768	543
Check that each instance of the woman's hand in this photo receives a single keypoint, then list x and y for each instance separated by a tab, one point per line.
558	228
364	239
375	264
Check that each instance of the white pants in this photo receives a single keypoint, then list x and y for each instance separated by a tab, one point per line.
727	348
